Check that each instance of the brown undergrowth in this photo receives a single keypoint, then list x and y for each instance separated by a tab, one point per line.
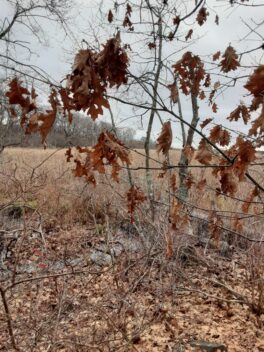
76	275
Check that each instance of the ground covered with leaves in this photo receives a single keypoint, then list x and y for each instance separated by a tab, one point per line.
58	298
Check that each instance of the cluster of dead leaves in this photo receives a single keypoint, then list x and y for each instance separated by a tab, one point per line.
32	120
190	70
242	154
255	86
240	111
219	135
92	73
108	151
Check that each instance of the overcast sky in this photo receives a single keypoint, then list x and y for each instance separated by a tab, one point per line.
55	53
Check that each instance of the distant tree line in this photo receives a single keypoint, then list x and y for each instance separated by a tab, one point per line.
83	131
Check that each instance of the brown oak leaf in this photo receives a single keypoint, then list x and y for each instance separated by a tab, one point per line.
230	60
240	111
219	135
174	93
255	84
165	138
204	153
202	16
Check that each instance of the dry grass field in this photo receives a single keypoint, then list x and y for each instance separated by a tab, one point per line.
44	179
77	276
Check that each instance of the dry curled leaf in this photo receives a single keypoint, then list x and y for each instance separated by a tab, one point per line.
202	16
189	35
110	16
174	93
165	138
205	122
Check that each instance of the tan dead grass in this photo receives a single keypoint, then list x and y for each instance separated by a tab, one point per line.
44	177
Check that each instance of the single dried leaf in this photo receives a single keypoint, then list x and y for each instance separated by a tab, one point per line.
205	122
152	45
214	108
258	125
189	35
216	56
202	16
230	60
204	154
174	93
165	138
110	16
217	20
228	182
176	20
202	95
246	154
255	84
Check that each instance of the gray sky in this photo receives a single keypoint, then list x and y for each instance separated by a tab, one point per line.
56	51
